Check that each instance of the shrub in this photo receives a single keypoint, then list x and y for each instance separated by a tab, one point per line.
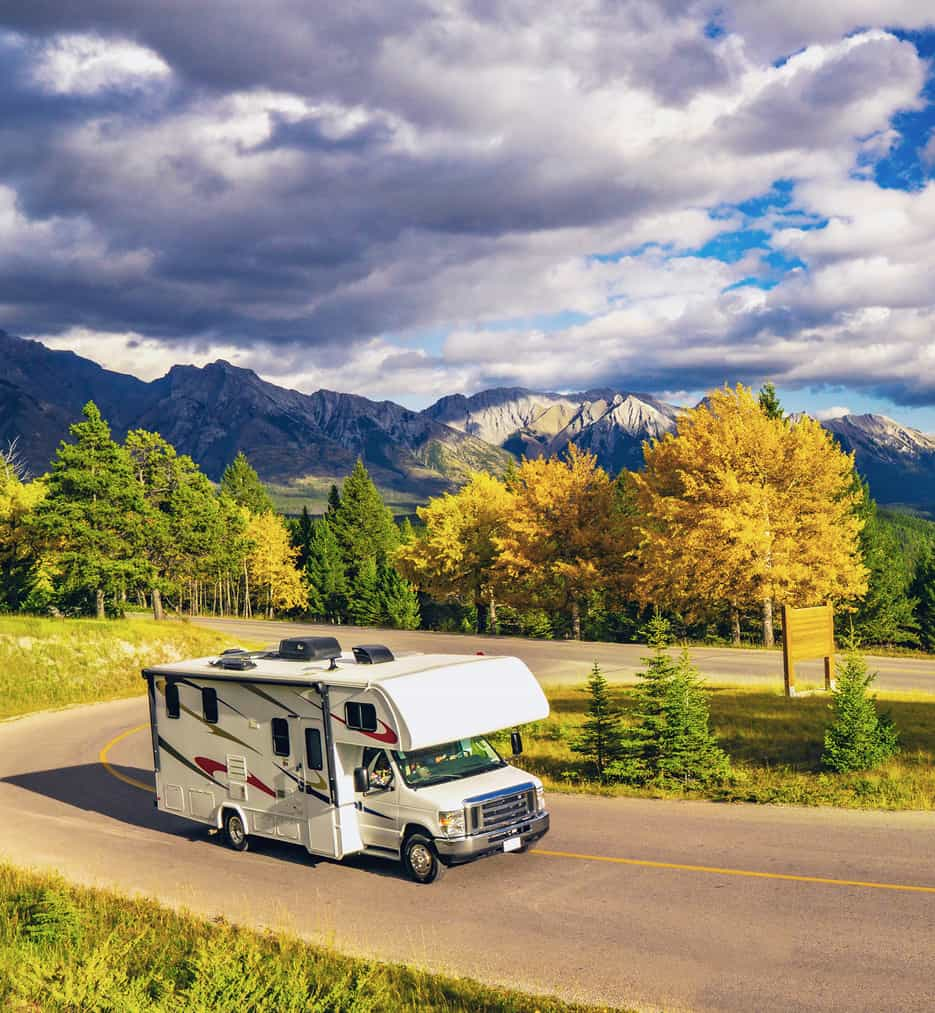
858	738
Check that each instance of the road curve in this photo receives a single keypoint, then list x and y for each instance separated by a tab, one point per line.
565	661
682	906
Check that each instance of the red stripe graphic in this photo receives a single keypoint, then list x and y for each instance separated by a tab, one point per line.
210	767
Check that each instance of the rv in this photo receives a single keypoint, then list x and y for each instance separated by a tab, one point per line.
349	753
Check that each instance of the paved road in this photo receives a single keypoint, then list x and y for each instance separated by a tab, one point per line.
564	661
658	917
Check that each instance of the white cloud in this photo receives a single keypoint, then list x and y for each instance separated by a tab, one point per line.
85	64
835	412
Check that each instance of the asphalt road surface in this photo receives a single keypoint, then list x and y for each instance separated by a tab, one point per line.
555	662
654	904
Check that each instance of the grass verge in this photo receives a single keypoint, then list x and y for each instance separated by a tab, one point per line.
774	744
72	948
54	662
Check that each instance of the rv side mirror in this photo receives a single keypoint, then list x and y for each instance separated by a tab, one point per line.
516	741
361	780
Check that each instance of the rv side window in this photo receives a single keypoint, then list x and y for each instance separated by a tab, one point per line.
361	717
209	704
172	700
280	736
313	749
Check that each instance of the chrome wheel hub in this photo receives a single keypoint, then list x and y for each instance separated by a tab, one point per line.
420	858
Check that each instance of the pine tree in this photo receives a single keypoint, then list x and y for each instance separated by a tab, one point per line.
361	522
858	738
923	591
324	573
243	485
363	605
601	738
302	536
671	741
884	615
399	602
94	518
769	402
334	501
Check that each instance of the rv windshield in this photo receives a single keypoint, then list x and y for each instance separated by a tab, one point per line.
448	762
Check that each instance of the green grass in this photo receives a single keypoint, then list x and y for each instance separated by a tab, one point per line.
48	663
66	948
774	744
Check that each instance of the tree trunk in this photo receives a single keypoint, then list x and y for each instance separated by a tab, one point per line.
482	615
492	615
246	591
576	620
768	639
157	604
735	625
99	603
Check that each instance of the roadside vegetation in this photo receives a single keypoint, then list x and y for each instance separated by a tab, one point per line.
47	663
67	948
775	746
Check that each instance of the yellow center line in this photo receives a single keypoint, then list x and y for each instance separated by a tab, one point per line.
715	871
103	754
644	862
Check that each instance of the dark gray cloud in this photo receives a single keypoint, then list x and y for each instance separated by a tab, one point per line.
291	175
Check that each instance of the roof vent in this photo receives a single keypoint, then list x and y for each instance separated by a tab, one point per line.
235	662
309	649
233	650
372	654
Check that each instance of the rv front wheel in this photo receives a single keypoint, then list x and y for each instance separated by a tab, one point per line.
420	859
235	833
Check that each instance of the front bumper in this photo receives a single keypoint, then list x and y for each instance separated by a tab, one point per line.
466	849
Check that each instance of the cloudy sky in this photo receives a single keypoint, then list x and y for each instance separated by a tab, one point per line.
406	198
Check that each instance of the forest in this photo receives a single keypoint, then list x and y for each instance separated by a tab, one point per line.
742	510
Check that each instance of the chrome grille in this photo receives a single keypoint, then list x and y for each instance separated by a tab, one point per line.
497	813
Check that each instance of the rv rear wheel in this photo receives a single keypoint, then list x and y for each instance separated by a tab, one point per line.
235	833
420	860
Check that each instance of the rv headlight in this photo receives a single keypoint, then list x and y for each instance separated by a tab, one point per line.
452	823
540	798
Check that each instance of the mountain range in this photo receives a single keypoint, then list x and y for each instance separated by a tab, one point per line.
300	441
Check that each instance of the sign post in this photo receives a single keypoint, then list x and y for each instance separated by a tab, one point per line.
807	633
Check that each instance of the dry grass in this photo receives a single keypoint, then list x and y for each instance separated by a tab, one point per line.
775	747
65	948
54	662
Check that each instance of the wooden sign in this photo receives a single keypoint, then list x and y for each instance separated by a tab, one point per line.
807	633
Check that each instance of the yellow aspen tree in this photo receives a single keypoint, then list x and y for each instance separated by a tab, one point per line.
453	556
741	509
274	581
564	539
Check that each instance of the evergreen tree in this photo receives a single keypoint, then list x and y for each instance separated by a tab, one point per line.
324	573
601	738
362	524
406	532
884	615
769	401
334	501
923	591
364	607
302	536
858	738
399	602
243	485
671	741
94	519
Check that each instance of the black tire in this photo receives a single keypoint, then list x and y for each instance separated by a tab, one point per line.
420	859
235	833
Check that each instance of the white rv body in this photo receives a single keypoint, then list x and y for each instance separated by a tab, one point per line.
277	742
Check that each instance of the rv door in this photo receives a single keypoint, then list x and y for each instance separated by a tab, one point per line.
319	811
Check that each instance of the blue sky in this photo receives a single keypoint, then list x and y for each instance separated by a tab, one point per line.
414	199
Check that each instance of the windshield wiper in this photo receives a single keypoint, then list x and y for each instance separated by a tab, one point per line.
441	779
